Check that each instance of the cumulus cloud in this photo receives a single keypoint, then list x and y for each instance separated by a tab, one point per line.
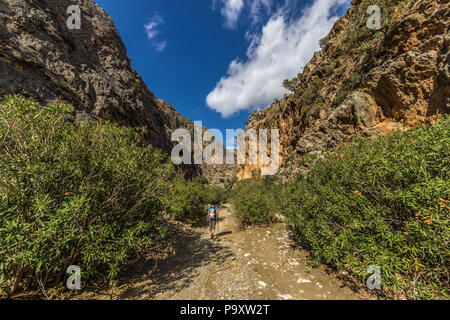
279	52
152	31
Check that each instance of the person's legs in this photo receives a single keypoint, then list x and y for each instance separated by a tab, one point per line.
212	227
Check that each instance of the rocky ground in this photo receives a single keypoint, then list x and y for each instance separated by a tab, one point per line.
257	263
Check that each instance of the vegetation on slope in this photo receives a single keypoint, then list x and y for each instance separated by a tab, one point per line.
358	41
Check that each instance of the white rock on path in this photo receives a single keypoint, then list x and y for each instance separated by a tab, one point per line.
284	296
262	284
303	281
293	262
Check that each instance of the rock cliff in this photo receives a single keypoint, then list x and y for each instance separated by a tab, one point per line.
41	57
364	82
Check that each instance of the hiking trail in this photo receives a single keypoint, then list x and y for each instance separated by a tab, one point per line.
257	263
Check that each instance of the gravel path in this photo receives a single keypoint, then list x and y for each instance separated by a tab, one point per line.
257	263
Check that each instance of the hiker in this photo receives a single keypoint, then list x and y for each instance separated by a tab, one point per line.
212	218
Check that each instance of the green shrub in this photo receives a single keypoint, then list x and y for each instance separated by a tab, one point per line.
310	96
358	33
324	41
187	200
356	37
289	84
374	41
384	203
255	201
201	180
87	195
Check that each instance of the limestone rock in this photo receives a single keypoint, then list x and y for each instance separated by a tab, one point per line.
87	68
364	82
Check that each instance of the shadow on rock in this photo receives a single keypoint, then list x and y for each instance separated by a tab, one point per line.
192	250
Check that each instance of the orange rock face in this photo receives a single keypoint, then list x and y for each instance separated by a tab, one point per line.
364	82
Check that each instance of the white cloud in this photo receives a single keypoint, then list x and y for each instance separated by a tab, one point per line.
152	31
279	52
231	11
161	46
258	8
151	27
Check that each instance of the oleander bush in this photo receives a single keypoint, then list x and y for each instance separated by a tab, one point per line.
188	200
255	201
89	195
383	202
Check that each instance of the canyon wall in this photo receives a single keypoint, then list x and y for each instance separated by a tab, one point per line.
363	82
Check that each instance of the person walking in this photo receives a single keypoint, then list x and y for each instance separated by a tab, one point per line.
212	218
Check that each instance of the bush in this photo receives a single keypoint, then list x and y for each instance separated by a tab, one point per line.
255	201
384	203
187	200
310	96
87	195
359	37
289	84
201	180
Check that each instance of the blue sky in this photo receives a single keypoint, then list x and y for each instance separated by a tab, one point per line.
217	60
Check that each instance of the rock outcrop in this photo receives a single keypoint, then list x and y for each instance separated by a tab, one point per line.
364	82
41	57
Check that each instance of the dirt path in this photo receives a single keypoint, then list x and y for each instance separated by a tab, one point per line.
257	263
